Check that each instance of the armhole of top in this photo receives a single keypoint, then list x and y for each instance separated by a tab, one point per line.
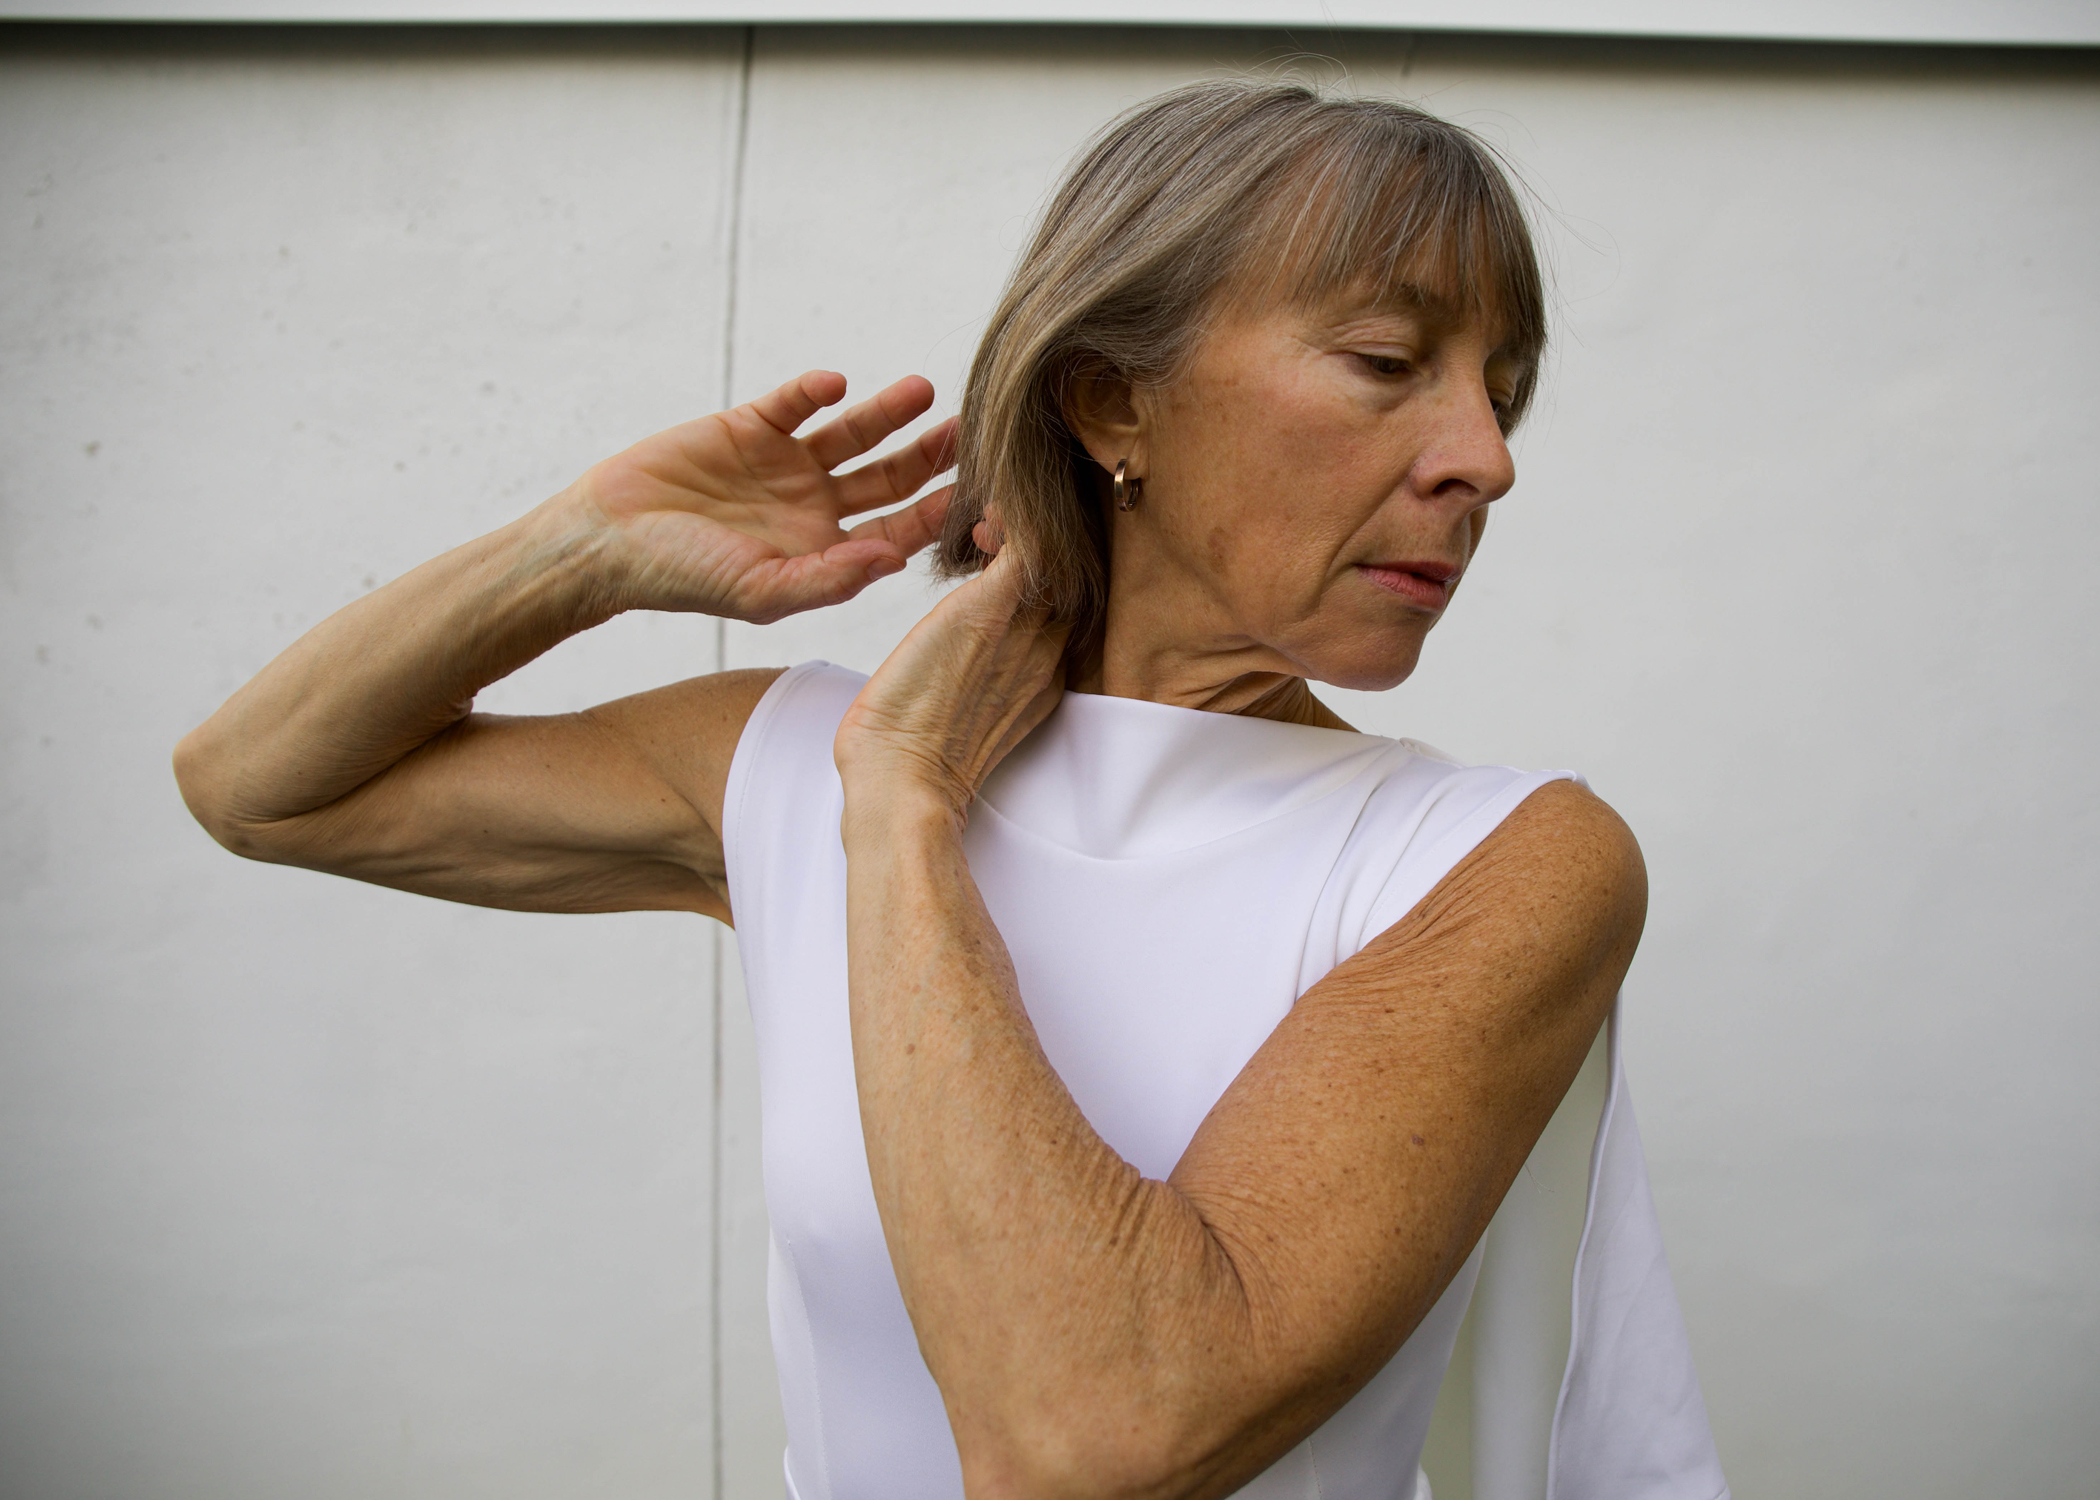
1419	870
744	764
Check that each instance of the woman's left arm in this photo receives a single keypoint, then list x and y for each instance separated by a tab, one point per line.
1097	1333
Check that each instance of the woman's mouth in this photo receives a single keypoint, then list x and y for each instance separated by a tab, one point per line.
1424	584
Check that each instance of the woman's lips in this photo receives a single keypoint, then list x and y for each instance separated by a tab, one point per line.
1427	584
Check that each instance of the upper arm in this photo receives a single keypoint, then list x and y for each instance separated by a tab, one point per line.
616	808
1350	1168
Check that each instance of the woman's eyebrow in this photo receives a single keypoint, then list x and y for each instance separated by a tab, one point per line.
1418	311
1412	299
1435	313
1428	312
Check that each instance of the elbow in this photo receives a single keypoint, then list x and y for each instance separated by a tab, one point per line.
196	768
201	775
1081	1453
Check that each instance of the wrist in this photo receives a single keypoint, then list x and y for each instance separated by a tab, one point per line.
895	807
567	543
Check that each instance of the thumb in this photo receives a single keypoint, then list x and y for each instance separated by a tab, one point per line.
1000	587
1003	598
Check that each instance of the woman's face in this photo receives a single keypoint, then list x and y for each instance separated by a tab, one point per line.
1316	484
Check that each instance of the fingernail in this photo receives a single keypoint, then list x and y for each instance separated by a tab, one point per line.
882	567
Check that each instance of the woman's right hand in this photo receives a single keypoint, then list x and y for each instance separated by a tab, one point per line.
734	515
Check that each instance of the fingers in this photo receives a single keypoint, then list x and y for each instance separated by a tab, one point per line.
1002	585
1015	660
790	405
912	528
875	549
965	685
860	428
996	601
898	476
785	586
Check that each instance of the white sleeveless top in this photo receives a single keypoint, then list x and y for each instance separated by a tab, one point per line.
1168	882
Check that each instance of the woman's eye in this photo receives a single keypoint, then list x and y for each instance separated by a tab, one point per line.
1385	364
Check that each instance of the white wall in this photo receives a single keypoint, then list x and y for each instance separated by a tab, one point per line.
305	1189
308	1189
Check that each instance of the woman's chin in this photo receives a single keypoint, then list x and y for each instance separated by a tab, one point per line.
1369	670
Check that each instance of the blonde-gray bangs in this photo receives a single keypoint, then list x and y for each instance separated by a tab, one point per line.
1408	221
1213	196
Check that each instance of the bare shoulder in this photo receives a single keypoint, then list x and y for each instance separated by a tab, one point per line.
1566	845
1547	908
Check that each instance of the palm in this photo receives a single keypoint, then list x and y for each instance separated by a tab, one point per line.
735	515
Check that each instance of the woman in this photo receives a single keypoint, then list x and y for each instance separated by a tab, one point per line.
1143	1050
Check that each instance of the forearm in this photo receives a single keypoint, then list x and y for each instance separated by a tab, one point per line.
384	675
1060	1298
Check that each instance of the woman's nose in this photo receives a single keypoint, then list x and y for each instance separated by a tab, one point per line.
1467	461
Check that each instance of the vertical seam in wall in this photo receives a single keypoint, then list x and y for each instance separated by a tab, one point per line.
714	1270
734	261
714	1259
714	1217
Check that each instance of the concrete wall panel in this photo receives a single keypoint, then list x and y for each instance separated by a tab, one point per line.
308	1189
312	1189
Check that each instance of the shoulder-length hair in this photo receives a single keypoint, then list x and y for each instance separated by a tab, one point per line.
1221	192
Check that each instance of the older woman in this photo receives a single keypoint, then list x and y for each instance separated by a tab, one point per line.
1143	1050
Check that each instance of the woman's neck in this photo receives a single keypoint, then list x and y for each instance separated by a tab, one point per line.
1213	683
1165	638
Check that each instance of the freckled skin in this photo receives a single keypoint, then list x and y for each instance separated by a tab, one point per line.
1093	1333
1173	1338
1300	443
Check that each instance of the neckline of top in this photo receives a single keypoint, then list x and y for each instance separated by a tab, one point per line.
1122	778
1112	703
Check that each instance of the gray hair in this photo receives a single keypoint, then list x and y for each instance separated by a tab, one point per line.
1232	190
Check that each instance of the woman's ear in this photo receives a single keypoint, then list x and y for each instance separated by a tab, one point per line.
1102	411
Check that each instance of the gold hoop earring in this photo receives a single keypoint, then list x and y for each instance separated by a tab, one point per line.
1126	490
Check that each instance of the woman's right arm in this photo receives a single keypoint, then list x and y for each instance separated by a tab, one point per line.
357	752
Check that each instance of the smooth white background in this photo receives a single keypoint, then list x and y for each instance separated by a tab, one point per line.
311	1189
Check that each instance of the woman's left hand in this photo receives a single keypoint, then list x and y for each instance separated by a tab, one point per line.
960	691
